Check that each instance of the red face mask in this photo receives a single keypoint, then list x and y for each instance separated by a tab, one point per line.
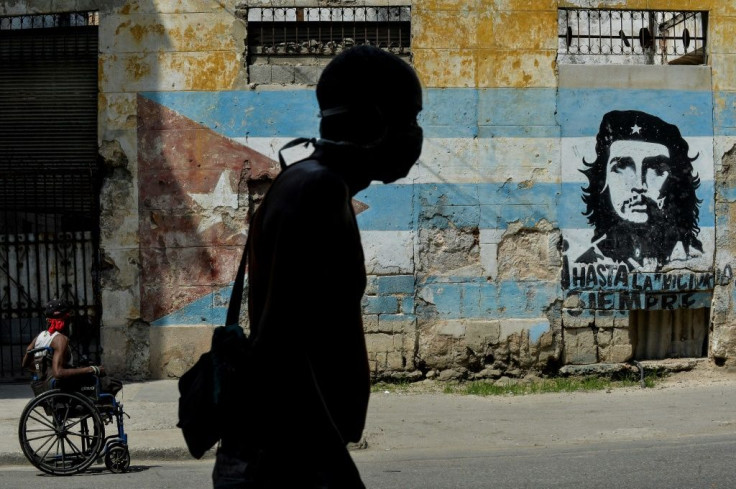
56	325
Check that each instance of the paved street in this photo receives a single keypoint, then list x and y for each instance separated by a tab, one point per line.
679	434
694	462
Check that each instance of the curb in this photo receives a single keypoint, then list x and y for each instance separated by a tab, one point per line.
136	454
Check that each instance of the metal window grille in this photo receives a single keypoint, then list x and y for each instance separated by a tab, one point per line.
317	31
46	21
631	36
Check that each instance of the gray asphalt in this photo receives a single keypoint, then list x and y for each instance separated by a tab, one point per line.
401	423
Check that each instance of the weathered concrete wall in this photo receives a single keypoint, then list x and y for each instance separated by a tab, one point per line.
465	257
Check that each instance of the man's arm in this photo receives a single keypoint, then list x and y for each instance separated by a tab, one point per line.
60	344
27	362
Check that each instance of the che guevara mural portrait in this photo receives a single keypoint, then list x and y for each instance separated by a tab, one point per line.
641	198
638	206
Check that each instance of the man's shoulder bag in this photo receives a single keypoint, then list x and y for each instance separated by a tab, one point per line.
208	389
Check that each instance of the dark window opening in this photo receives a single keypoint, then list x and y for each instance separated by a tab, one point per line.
287	45
678	333
49	180
317	31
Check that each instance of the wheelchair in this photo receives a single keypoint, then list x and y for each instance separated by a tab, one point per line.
62	429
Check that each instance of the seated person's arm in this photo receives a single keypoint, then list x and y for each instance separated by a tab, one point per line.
60	344
27	362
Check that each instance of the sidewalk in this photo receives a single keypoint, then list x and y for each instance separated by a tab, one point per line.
397	421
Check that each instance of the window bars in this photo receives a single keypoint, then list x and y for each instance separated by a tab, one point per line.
46	21
315	31
631	36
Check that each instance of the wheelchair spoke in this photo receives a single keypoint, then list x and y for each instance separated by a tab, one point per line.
74	448
50	435
49	449
50	438
41	421
75	423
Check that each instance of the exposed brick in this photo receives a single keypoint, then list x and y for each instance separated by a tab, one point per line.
370	323
407	304
282	74
396	284
577	318
395	361
479	334
379	342
397	323
371	287
380	305
580	347
260	74
307	75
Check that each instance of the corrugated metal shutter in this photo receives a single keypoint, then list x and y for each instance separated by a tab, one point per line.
48	118
49	191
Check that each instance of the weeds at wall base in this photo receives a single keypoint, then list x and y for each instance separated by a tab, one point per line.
519	387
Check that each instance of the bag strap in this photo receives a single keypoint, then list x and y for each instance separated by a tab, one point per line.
236	297
295	142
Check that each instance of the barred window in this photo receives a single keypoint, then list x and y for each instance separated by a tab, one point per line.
597	36
46	21
292	44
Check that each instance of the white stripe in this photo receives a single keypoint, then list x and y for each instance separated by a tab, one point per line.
460	160
388	252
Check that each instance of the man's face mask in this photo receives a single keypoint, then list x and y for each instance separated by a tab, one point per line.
399	151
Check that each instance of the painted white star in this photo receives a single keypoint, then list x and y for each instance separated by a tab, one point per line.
635	129
221	196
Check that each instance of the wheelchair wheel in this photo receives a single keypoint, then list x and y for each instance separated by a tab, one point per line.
61	433
117	458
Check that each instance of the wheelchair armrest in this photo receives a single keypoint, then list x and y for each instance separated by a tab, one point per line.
47	349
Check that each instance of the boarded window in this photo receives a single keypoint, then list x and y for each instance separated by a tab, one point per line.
678	333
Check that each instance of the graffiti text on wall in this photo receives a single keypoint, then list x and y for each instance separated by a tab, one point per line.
615	287
618	277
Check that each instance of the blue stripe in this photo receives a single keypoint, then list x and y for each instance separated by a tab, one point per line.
469	298
209	310
463	298
288	113
450	113
486	205
518	108
459	112
580	110
725	113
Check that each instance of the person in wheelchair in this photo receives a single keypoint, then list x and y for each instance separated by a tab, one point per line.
62	374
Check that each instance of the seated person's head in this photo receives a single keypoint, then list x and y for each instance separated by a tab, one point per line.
57	314
371	98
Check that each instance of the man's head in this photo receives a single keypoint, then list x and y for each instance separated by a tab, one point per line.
642	181
58	312
370	98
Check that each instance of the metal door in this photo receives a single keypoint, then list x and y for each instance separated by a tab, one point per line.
49	181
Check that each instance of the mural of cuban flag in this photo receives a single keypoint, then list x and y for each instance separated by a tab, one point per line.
489	162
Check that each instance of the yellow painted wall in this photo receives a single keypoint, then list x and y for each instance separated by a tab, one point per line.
513	43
